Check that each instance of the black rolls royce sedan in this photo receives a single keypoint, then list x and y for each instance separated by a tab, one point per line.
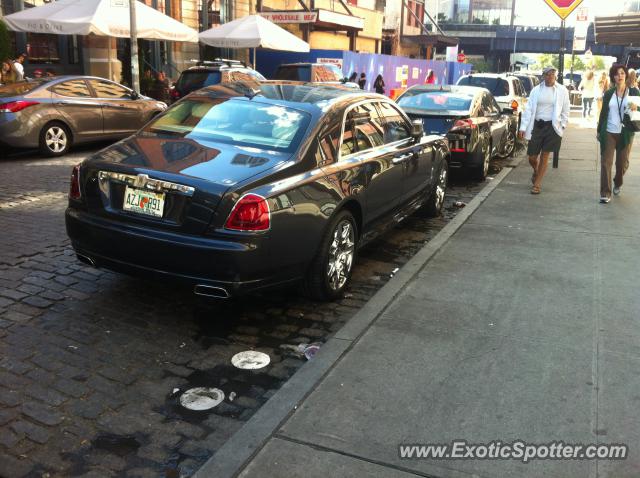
247	185
474	124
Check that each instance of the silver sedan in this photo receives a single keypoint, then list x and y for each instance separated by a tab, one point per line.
54	113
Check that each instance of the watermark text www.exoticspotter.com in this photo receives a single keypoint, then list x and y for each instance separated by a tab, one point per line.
516	450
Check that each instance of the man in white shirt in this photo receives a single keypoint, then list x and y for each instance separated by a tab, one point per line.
18	66
543	123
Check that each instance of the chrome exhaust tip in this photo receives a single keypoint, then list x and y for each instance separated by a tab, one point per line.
86	259
211	291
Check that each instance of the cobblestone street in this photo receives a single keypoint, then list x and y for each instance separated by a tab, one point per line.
92	362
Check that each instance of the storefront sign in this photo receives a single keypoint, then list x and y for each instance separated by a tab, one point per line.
290	17
331	61
340	19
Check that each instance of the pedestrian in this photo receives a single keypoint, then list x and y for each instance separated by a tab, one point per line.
603	86
160	88
632	78
7	75
362	81
613	135
378	85
18	66
543	122
588	88
431	78
354	77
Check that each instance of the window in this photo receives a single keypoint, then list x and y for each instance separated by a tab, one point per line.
324	73
234	121
73	89
328	147
497	86
106	89
434	100
42	48
363	130
395	127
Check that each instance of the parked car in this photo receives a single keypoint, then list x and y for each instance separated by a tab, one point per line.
232	189
313	72
572	80
208	73
506	89
528	81
54	113
475	126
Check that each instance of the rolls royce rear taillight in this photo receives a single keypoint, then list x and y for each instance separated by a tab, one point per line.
74	188
250	214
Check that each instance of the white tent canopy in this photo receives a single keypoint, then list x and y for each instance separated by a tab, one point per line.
253	31
100	17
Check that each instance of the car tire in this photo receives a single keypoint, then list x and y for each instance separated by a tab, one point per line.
435	203
482	159
55	139
331	269
509	144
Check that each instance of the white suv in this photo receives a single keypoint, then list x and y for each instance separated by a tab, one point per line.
506	89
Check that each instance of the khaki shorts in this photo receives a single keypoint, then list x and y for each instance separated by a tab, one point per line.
543	139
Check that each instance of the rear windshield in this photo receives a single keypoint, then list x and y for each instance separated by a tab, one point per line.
20	88
194	80
294	73
497	86
526	82
238	121
434	100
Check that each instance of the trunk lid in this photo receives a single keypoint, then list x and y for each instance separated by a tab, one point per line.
190	176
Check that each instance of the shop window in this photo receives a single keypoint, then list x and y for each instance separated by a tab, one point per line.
42	48
73	46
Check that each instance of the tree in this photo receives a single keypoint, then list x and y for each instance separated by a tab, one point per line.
5	50
598	63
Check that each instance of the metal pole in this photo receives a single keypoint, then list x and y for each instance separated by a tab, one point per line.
515	38
561	56
513	12
135	68
109	57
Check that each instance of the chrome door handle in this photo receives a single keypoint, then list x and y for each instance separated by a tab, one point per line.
401	158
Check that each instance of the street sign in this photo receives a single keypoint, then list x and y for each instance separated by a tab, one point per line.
461	57
563	8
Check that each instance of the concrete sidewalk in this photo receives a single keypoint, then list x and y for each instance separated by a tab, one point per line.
523	325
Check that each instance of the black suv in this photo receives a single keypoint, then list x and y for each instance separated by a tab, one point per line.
207	73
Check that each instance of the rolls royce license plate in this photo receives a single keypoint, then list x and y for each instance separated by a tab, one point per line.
149	203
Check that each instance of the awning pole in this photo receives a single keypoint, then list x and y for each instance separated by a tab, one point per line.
254	58
109	57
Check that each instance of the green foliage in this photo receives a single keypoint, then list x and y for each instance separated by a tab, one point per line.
5	51
598	63
482	66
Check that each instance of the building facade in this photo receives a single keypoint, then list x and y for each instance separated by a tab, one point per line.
104	56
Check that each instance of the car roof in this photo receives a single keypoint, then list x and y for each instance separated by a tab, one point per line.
472	90
313	97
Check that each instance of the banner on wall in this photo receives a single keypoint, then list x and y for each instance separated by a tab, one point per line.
330	61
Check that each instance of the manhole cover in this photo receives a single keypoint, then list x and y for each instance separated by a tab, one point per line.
201	398
250	360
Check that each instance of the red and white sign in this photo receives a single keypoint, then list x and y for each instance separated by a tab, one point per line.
290	17
580	30
461	57
331	61
563	8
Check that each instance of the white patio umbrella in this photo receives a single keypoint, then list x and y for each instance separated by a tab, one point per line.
253	31
100	17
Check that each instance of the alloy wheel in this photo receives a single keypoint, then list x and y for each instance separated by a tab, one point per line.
341	253
486	160
510	143
441	188
56	139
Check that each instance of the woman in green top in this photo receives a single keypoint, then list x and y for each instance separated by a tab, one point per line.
612	134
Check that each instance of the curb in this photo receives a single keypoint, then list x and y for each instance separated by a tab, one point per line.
236	453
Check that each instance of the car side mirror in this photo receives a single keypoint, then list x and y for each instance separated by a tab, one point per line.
417	130
507	111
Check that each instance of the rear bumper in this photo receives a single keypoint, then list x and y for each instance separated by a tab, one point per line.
17	133
237	264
